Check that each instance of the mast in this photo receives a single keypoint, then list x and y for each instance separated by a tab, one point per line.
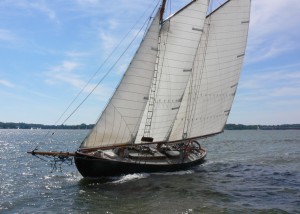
162	10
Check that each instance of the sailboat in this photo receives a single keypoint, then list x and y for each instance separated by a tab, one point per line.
178	88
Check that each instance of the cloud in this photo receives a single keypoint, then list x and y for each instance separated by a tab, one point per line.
41	6
285	75
7	36
6	83
113	24
271	88
121	69
67	66
274	30
65	73
28	7
88	2
286	91
76	54
108	41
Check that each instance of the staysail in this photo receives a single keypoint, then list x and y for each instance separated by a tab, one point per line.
179	39
120	119
211	89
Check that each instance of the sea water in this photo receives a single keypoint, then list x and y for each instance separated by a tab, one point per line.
244	172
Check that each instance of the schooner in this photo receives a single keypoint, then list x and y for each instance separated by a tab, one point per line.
178	88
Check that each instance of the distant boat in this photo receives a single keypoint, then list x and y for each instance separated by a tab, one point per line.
178	88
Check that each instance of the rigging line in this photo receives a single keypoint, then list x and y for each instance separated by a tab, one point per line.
106	74
100	67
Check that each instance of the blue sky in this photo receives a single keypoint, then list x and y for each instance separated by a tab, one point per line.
50	49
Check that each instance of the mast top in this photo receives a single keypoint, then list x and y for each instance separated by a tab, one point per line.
162	10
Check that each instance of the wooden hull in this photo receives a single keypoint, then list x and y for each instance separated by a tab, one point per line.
90	166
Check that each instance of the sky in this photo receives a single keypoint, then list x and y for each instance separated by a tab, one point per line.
50	49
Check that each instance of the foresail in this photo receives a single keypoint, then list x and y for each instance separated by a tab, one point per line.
179	39
119	122
212	87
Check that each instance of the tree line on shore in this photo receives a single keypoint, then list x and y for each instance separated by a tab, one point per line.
41	126
261	127
90	126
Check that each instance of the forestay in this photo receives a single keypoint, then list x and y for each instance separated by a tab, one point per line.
210	92
120	120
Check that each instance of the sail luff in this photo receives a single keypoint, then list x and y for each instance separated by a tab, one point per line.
218	67
119	121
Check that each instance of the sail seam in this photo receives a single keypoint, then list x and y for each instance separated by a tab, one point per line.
138	68
185	38
178	45
132	92
130	83
187	24
197	29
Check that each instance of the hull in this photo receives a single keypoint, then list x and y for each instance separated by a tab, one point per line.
90	166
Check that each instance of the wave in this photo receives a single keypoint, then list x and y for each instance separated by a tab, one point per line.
130	177
183	172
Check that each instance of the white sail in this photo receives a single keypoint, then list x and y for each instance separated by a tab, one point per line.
119	122
179	39
211	89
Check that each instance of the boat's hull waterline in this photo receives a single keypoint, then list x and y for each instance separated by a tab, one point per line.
91	166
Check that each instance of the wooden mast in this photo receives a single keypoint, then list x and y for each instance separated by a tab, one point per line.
162	10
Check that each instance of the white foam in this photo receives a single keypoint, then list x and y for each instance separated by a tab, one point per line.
74	176
185	172
130	177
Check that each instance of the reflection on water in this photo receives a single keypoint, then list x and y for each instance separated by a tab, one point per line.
244	172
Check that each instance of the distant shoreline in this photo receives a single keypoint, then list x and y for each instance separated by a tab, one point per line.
42	126
262	127
90	126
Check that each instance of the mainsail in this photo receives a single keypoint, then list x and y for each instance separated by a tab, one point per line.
179	39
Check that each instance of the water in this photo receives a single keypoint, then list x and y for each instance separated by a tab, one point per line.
245	172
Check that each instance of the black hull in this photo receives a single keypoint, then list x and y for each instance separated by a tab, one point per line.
89	166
